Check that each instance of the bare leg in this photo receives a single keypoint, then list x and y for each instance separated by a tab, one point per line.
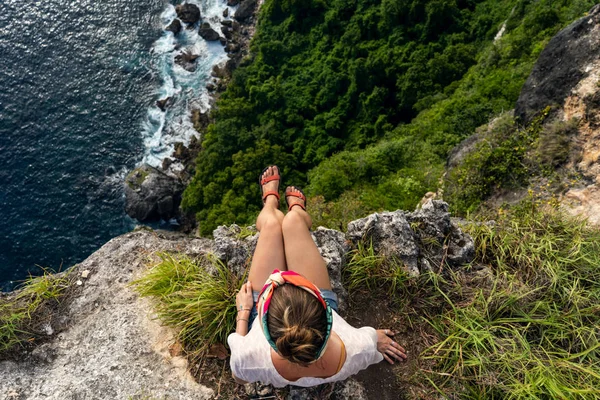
269	253
301	252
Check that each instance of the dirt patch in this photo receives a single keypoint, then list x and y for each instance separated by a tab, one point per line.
401	380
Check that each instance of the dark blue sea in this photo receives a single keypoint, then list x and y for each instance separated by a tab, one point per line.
79	82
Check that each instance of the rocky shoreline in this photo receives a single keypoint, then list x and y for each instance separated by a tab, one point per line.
154	194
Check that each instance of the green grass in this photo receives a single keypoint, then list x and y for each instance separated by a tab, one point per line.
368	269
196	297
533	331
23	312
521	322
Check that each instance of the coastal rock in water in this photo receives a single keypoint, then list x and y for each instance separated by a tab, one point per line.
152	195
226	13
569	57
187	60
233	3
245	10
164	103
418	239
208	33
174	27
188	13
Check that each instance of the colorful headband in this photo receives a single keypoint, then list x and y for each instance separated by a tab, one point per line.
279	278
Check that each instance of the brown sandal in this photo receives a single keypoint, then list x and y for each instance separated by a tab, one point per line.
262	181
300	195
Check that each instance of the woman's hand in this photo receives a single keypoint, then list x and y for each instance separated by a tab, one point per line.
388	348
244	300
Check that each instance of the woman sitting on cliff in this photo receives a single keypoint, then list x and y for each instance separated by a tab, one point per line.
299	338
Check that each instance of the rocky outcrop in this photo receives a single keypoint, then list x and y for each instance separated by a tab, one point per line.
151	195
208	33
566	78
188	13
423	240
114	348
571	56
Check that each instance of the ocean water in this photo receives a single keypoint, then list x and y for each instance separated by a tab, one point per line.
79	82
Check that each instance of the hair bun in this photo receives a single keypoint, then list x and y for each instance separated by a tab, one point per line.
297	343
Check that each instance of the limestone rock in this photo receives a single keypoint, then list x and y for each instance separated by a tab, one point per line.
391	236
152	195
422	240
333	248
567	59
440	238
113	347
188	13
235	246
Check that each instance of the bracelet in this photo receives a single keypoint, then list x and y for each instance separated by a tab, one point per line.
242	319
244	309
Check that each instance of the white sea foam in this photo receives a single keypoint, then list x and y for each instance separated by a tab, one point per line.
161	130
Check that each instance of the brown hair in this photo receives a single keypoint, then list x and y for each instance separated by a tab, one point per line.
297	323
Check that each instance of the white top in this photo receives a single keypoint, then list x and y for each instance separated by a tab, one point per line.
251	355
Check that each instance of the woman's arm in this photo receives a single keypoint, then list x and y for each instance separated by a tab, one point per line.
243	305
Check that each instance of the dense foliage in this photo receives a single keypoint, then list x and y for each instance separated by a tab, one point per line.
365	98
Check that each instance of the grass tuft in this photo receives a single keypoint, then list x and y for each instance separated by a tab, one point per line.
196	297
24	312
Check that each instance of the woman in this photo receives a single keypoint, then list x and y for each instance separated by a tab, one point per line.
298	338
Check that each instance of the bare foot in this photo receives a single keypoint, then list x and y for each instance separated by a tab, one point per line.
271	187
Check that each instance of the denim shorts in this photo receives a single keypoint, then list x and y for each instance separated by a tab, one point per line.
328	295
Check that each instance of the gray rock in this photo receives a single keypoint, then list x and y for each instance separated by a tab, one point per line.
226	13
245	10
113	348
188	13
423	240
564	62
391	236
187	60
208	33
152	195
333	248
233	3
439	238
174	27
234	248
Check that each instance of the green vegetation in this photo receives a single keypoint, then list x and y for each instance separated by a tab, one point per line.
24	312
521	322
196	297
363	99
507	156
